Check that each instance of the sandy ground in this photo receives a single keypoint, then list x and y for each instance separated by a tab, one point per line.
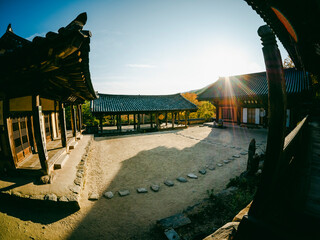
134	161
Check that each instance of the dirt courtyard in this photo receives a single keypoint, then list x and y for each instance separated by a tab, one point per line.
138	161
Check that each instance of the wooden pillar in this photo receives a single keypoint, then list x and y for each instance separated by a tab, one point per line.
217	111
157	121
63	127
73	121
143	115
56	118
80	117
139	121
8	147
267	205
134	122
151	124
166	119
76	115
172	119
40	133
101	124
186	118
120	124
128	116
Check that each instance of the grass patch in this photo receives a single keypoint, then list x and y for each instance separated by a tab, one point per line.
222	207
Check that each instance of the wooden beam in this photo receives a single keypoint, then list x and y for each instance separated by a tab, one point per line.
40	133
63	126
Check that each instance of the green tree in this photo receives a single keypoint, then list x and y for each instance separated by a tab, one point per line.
88	118
205	109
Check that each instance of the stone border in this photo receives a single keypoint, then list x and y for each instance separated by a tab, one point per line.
70	201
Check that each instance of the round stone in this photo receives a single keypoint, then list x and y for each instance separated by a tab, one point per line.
219	164
51	197
76	189
108	195
211	168
155	188
142	190
93	196
63	199
182	179
202	171
123	193
236	156
192	175
169	183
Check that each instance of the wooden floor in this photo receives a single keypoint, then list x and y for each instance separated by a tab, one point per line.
313	196
53	147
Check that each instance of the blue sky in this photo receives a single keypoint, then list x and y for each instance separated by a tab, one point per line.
152	46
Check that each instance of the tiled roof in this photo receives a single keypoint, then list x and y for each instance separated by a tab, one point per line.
255	84
108	103
61	59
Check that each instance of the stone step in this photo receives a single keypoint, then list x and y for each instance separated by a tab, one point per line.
61	161
73	145
79	136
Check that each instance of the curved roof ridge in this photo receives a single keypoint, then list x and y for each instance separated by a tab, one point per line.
137	95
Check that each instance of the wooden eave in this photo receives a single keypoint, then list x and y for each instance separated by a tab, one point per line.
304	19
56	66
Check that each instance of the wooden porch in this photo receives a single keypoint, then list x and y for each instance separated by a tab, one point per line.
54	149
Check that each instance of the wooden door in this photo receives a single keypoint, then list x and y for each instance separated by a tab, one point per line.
20	138
251	115
227	113
47	126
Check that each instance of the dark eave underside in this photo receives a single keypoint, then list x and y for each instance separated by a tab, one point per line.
304	18
56	66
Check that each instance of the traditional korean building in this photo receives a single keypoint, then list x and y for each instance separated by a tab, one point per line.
38	78
244	98
140	105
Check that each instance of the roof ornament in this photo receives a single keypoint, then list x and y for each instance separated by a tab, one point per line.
78	22
9	28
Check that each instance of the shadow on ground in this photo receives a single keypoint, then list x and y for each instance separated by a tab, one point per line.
134	216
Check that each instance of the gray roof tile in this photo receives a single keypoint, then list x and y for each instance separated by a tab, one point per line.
254	84
108	103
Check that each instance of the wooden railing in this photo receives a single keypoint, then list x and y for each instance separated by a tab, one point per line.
290	172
